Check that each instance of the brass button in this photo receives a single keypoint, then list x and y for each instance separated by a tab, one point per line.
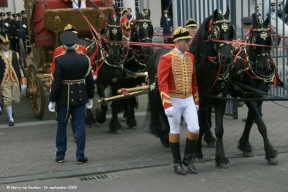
79	91
71	99
80	99
71	91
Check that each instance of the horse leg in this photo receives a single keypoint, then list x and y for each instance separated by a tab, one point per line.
208	135
270	153
220	158
203	123
101	113
131	120
244	144
114	124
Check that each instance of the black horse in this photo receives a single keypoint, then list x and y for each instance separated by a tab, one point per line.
258	73
212	59
109	59
212	68
141	31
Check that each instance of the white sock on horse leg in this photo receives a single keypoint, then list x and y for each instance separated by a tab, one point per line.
9	113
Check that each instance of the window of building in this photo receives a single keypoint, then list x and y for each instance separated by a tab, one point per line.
136	4
119	3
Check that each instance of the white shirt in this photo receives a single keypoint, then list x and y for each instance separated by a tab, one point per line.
6	54
180	53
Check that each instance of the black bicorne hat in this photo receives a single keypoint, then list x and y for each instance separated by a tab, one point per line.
68	38
181	33
247	20
191	23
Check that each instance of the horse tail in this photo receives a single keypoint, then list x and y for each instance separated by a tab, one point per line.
158	124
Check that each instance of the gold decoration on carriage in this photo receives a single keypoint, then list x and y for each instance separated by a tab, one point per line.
115	18
145	25
224	27
215	32
114	31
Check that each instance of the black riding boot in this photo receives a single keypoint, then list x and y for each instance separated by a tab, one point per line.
188	153
175	148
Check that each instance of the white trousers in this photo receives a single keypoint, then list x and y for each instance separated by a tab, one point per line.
186	108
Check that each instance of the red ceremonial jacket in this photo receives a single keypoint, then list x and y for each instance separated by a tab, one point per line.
177	77
61	50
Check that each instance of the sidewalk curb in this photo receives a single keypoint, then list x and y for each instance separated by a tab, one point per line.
111	168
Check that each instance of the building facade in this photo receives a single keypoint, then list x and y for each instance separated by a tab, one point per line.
15	6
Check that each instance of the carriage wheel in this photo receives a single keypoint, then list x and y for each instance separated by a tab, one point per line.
22	53
35	91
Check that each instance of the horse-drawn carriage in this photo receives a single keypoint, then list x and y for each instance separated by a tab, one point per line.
46	19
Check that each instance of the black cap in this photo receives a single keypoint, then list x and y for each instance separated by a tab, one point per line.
68	38
8	13
256	7
14	15
2	14
23	12
191	23
247	20
19	14
273	4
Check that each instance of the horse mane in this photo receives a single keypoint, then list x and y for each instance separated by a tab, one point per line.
198	45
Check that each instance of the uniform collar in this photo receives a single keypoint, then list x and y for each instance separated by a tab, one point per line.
179	52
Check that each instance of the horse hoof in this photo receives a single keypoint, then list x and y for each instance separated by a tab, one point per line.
119	131
199	160
211	142
273	161
133	127
248	154
223	165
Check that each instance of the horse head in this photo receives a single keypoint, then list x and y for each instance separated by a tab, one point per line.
220	29
260	34
113	32
143	31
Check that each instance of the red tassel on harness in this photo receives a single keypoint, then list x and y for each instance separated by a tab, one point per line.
276	79
210	25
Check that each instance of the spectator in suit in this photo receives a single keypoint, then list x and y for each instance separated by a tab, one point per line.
166	25
257	13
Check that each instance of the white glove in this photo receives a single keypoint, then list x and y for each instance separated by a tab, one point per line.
51	106
89	105
197	107
169	112
6	24
23	87
24	26
94	77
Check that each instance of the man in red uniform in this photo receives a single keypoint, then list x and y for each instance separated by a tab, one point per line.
125	22
61	50
179	93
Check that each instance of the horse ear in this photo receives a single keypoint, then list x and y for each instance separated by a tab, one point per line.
149	13
215	15
255	21
137	13
227	13
266	22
